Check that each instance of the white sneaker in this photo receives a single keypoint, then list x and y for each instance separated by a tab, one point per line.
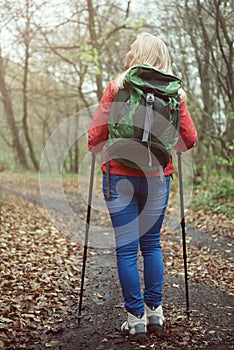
135	327
155	319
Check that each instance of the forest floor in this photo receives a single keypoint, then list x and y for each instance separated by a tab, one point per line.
40	267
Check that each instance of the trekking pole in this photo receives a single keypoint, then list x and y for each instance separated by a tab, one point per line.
86	235
188	311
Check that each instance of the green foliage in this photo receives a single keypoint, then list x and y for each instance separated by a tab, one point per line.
217	196
227	161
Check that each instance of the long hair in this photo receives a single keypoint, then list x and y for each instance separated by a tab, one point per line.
148	49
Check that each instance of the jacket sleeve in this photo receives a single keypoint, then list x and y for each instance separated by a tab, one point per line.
188	132
98	129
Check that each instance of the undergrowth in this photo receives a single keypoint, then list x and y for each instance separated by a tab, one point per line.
216	195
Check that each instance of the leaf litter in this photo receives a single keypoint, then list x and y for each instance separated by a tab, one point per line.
40	270
40	273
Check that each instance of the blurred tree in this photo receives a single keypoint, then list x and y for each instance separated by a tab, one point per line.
208	24
27	33
10	118
64	56
200	35
19	20
90	50
7	97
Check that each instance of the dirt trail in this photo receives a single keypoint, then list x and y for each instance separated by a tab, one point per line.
210	326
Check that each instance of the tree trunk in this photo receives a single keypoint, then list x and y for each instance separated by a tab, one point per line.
25	94
7	103
95	44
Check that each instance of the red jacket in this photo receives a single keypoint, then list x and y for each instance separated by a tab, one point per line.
98	134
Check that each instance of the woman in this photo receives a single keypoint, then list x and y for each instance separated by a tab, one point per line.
138	199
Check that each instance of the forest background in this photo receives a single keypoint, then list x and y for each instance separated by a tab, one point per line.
56	58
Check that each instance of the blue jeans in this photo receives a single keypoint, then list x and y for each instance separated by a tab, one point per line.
137	208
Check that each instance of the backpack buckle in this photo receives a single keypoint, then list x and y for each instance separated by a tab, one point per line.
150	97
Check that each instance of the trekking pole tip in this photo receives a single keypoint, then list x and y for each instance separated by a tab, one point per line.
79	317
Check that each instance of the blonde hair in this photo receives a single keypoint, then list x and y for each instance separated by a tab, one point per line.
148	49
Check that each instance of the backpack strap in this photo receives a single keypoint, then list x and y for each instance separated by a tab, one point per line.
148	116
148	123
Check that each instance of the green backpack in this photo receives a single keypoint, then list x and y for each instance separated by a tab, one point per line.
144	120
